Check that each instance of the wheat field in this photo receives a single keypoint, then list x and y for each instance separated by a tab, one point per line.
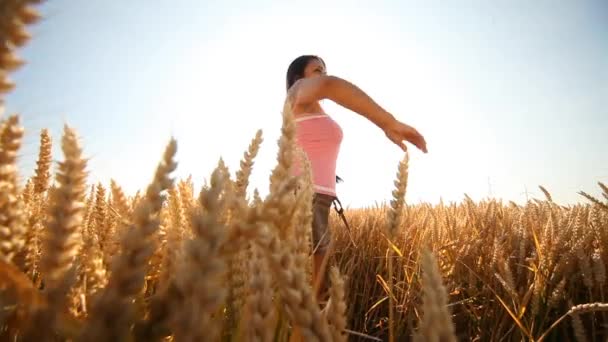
88	262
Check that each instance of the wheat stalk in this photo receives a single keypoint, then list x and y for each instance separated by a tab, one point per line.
202	292
395	218
12	216
575	311
260	316
62	241
43	169
246	165
65	221
300	304
14	16
436	324
336	307
112	313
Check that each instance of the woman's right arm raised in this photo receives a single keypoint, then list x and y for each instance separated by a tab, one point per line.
308	90
342	92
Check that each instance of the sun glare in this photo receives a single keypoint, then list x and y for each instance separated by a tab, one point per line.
227	87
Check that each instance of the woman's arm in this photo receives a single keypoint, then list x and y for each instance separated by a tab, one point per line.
342	92
308	90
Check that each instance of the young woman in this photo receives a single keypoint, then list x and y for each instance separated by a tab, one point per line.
320	136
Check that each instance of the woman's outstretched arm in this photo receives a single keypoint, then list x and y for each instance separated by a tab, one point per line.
308	90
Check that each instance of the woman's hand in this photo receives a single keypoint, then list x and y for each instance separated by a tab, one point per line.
397	132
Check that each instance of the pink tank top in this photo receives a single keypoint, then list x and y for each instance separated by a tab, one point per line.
320	138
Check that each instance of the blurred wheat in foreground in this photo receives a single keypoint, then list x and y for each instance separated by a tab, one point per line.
87	262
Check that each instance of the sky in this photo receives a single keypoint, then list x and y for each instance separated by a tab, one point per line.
508	94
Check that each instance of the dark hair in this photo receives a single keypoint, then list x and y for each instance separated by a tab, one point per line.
297	66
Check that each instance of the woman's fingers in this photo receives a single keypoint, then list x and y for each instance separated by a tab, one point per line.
414	137
398	132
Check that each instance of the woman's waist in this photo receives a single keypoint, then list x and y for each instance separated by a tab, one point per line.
322	167
321	153
318	144
324	176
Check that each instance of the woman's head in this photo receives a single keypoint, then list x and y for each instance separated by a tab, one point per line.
304	66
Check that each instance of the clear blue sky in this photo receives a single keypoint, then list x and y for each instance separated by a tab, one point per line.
509	94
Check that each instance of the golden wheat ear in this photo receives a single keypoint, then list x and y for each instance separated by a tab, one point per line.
395	219
12	210
120	203
246	165
436	324
15	15
336	307
61	243
285	155
43	169
112	314
295	291
202	270
260	317
65	215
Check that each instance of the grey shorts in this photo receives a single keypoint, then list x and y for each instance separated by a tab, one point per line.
321	234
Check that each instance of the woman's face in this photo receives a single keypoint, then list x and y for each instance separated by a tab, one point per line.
314	68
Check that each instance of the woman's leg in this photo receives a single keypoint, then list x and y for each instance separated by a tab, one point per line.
321	241
321	238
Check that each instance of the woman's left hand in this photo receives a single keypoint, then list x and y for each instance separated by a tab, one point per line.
397	132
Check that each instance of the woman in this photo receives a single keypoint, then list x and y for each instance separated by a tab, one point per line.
320	137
